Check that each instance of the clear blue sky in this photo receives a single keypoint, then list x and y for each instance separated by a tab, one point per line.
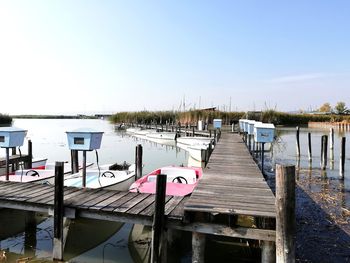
102	56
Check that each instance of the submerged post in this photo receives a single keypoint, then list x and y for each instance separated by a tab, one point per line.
342	157
198	247
58	212
324	143
298	142
285	216
158	218
309	146
138	161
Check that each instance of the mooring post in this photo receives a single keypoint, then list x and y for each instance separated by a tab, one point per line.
309	146
262	157
58	212
331	138
249	143
84	170
193	131
342	157
297	141
158	219
28	163
324	143
285	214
74	161
138	161
7	164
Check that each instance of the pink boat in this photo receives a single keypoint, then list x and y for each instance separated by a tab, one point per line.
180	180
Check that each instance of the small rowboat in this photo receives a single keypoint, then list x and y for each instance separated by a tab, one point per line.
181	181
37	163
194	140
107	179
162	135
46	175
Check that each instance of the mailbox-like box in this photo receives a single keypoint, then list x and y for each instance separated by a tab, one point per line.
84	139
241	124
251	127
11	137
264	132
217	123
200	125
246	125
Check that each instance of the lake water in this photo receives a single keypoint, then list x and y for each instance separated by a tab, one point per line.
49	140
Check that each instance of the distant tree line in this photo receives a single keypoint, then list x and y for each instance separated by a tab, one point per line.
193	116
5	119
340	108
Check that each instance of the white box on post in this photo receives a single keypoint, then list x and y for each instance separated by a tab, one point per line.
264	132
11	137
84	139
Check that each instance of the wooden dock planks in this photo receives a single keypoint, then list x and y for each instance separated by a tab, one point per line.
232	183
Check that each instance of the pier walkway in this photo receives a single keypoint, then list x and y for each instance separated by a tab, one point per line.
232	183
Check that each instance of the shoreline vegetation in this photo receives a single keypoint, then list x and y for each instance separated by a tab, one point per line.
5	119
193	116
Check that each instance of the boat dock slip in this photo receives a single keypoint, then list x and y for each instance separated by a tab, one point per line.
231	188
232	183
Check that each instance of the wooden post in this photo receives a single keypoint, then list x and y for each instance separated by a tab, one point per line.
138	161
331	138
215	139
74	161
210	133
58	212
193	131
324	143
158	218
268	248
285	216
7	164
262	157
342	157
83	170
298	142
198	247
30	234
249	142
309	146
28	163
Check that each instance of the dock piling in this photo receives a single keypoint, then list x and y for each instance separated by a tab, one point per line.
342	157
285	216
58	212
298	141
309	146
324	143
158	219
138	161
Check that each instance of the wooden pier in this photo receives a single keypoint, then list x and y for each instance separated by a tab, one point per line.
232	185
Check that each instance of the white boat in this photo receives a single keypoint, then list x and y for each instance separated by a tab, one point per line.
143	132
194	140
195	150
107	179
37	163
162	135
46	175
133	130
